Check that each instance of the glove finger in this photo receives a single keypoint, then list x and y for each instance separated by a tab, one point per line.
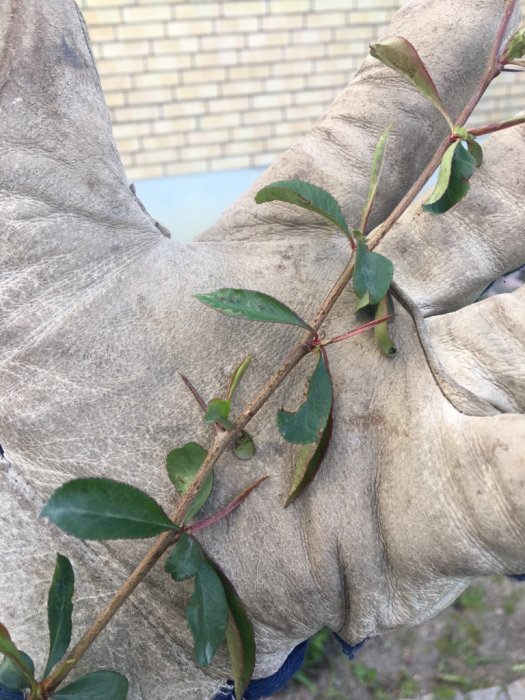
58	154
444	261
482	347
490	489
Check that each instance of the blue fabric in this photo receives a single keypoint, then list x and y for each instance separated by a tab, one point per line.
265	687
348	649
518	577
7	694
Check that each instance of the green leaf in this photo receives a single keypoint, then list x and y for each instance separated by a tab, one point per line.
461	132
473	146
207	614
308	423
239	638
377	166
372	276
516	45
475	150
237	375
100	685
185	558
244	447
456	169
307	196
18	659
252	306
59	611
308	462
400	55
103	509
383	340
11	675
445	172
182	464
218	411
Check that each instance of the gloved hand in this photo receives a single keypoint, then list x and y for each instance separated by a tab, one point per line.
422	487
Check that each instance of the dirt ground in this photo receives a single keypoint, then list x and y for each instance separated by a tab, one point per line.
478	642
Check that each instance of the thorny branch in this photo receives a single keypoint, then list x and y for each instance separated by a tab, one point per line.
223	439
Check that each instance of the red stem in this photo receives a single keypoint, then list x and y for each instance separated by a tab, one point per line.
350	334
497	126
223	512
221	442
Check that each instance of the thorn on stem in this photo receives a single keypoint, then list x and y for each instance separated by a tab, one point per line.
193	390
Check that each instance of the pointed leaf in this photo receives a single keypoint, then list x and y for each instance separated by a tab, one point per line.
362	302
377	167
383	340
516	45
59	611
237	375
103	509
307	196
100	685
308	462
239	638
457	167
8	648
217	412
307	424
11	675
244	447
252	306
372	275
182	464
400	55
207	614
185	558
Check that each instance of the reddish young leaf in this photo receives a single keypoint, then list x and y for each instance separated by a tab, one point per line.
400	55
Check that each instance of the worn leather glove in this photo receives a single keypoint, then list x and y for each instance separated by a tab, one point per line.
423	484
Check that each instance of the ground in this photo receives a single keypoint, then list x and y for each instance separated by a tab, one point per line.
477	643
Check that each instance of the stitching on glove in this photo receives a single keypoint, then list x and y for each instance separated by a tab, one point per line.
463	400
347	649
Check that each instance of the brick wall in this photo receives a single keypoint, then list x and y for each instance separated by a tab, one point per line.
197	85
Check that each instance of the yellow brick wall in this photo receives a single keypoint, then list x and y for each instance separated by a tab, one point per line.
198	85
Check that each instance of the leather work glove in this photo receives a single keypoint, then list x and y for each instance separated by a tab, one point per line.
423	485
